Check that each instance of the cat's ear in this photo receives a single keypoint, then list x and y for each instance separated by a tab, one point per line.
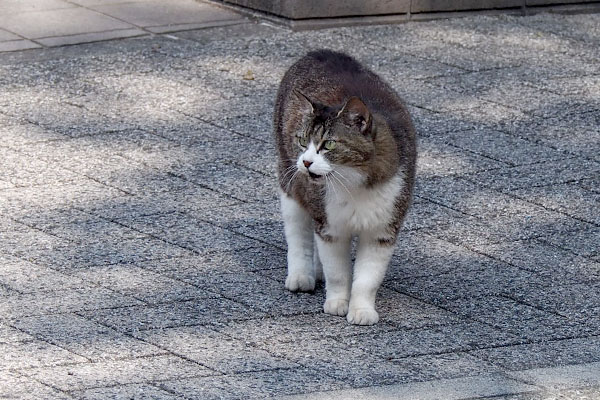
310	105
356	113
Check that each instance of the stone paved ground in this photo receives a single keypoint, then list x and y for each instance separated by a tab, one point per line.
141	246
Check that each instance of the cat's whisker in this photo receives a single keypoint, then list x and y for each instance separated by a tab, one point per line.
342	183
294	175
330	182
289	170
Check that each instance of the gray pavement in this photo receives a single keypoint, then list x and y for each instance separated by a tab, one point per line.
141	247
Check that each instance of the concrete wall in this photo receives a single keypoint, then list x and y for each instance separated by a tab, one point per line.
305	9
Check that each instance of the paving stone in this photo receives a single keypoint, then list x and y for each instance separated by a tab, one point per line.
125	392
66	119
40	24
16	45
185	313
543	355
226	178
79	193
26	277
254	385
35	354
503	147
260	221
487	279
27	171
20	387
85	338
439	159
6	36
67	257
158	14
261	293
497	87
409	313
584	242
575	301
189	232
292	328
545	260
9	334
61	301
79	227
489	115
106	373
18	6
526	224
214	350
542	174
25	242
448	366
420	255
432	340
522	320
425	214
190	198
192	268
583	375
142	284
344	360
429	123
494	385
568	198
578	136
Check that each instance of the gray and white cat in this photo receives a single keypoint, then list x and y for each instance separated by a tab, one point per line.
346	168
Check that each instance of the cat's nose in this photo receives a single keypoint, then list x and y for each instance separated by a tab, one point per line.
307	163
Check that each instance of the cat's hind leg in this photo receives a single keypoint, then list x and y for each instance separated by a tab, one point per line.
298	227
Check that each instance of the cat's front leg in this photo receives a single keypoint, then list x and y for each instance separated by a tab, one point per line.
334	253
298	227
372	258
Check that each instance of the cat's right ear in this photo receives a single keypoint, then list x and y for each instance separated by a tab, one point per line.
310	105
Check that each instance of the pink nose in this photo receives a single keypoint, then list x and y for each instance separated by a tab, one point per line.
307	163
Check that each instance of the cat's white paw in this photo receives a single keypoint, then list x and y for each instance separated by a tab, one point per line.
302	283
362	316
336	307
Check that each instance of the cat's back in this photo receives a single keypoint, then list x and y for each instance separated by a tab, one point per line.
325	69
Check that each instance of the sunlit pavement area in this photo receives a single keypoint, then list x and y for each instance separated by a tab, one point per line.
142	251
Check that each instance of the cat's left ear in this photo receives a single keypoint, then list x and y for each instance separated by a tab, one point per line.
311	105
356	112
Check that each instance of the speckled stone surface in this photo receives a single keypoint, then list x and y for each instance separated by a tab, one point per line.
141	246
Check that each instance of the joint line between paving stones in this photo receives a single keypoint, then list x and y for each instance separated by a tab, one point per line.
222	127
242	234
509	192
112	17
36	379
131	336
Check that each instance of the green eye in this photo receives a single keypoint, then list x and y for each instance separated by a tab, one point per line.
303	141
329	144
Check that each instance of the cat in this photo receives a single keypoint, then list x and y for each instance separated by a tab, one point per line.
346	168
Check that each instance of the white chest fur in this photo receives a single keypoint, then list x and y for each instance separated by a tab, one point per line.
352	210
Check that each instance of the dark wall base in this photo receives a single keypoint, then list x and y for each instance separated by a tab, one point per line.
317	9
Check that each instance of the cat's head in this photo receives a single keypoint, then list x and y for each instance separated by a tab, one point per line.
334	139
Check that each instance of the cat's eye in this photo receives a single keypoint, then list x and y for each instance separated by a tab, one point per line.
329	144
303	141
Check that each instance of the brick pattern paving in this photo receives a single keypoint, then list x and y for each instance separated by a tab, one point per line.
141	247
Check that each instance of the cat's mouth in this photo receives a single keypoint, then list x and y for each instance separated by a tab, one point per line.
314	176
